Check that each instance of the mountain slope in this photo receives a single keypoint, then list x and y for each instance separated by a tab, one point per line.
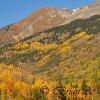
61	33
43	19
39	56
67	55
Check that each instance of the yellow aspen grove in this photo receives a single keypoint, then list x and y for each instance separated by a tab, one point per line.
3	89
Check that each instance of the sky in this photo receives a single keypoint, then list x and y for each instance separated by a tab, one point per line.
12	11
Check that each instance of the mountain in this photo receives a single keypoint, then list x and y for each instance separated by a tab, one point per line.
43	19
62	55
83	35
74	58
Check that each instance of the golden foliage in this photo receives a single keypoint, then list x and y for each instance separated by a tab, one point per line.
80	35
23	45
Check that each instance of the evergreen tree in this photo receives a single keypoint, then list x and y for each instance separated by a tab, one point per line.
84	87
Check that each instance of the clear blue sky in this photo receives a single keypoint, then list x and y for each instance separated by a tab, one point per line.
15	10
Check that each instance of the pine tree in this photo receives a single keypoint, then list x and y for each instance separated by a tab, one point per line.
84	87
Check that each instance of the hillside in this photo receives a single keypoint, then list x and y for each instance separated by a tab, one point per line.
72	53
35	65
